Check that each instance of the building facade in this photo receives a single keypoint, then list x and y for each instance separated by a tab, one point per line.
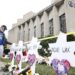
59	16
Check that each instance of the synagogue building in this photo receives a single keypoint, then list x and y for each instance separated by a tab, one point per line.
59	16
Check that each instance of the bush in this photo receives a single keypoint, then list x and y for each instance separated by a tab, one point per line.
6	51
44	51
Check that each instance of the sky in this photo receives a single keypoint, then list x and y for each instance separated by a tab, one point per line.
11	10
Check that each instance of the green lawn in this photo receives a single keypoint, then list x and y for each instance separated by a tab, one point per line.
47	70
43	69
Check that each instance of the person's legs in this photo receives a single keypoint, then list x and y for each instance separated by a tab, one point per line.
1	50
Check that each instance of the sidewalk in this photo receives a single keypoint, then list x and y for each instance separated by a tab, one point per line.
2	64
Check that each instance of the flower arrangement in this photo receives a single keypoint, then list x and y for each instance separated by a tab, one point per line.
11	56
29	72
31	58
18	58
61	67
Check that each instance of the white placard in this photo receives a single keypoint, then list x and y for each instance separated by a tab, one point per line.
63	50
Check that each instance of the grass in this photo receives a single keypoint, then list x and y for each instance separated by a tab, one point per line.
5	60
72	71
43	69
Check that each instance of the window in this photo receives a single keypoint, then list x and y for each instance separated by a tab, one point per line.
62	23
34	31
23	35
19	33
28	34
42	29
23	32
51	27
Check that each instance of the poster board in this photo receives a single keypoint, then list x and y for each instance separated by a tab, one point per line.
63	49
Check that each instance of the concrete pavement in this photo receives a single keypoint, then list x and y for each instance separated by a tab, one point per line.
1	72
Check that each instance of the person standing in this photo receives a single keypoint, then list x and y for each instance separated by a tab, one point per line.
3	40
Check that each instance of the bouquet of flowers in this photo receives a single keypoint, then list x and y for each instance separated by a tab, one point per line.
31	58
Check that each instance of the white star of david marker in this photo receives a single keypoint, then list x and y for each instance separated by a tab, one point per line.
33	46
63	49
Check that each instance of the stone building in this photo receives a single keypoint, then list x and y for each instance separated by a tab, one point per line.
59	16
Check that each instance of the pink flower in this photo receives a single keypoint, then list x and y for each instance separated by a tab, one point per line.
18	58
31	58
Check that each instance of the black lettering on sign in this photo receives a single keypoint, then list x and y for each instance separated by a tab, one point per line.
71	3
54	49
65	50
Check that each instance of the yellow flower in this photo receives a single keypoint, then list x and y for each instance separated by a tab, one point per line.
21	74
29	72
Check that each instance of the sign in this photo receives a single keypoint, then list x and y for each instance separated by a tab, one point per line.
63	49
33	53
